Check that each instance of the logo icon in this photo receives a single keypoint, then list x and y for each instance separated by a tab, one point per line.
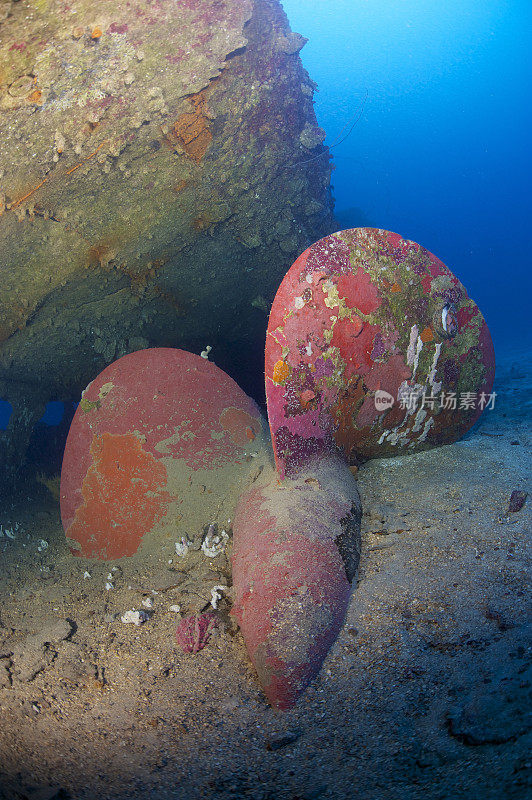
383	400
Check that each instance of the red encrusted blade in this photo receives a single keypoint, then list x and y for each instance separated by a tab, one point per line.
139	416
364	324
296	548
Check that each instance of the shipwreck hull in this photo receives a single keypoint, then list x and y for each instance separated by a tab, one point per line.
162	167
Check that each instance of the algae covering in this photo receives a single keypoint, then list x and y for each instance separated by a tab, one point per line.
375	348
157	425
161	168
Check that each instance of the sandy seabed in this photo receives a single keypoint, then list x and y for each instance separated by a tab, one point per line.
426	693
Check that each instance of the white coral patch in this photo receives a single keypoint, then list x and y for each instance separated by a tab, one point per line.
216	594
414	332
134	617
419	419
182	547
214	543
419	348
436	387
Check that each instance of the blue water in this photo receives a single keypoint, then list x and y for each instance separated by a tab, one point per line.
53	413
441	152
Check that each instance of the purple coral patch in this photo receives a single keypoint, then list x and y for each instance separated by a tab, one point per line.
115	27
194	632
378	347
295	450
329	255
419	269
451	372
452	295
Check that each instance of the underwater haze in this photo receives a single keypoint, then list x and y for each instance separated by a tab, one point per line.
441	150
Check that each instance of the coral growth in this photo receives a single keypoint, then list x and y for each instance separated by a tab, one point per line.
281	371
194	632
190	132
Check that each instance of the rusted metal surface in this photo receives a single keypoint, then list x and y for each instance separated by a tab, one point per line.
143	427
374	347
296	550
